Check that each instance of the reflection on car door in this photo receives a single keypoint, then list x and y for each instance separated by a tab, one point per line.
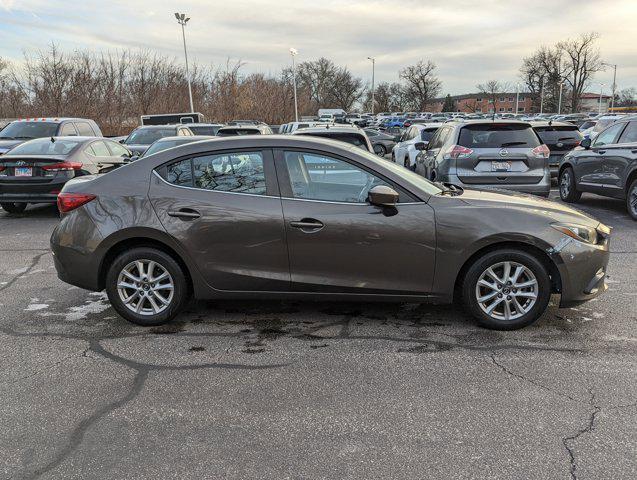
339	242
592	168
225	211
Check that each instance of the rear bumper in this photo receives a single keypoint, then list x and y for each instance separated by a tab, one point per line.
28	198
543	187
31	191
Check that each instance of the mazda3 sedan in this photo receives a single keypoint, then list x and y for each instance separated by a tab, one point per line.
297	217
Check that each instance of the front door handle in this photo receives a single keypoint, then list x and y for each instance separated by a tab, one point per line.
307	224
186	213
601	152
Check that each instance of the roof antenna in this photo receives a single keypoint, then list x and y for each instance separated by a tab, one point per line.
52	139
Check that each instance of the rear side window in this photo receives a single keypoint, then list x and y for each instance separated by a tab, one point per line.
630	134
609	135
84	129
553	135
498	135
427	135
228	172
67	129
99	149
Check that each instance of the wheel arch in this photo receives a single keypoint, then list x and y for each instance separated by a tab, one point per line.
632	176
533	249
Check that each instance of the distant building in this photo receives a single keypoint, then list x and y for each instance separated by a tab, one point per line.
589	102
481	103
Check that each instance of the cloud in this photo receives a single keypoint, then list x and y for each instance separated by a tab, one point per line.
470	41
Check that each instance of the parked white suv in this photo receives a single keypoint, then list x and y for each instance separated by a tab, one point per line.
405	151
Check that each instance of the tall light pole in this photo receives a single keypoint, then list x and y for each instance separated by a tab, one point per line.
559	103
612	100
517	98
293	53
373	73
183	20
541	96
601	90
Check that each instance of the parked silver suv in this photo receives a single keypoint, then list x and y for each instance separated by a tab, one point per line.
488	154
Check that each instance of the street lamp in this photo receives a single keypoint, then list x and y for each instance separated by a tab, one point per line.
559	103
601	90
541	96
612	100
373	72
183	20
293	53
517	99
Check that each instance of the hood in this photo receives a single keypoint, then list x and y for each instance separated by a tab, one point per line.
6	145
541	206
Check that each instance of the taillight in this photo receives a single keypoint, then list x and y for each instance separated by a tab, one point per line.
62	166
71	201
542	151
457	151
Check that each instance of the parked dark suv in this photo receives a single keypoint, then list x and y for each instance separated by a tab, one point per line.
487	154
560	137
606	166
19	131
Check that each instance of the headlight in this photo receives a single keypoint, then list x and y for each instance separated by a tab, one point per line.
578	232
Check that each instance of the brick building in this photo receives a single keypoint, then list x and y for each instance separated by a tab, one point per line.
481	103
589	102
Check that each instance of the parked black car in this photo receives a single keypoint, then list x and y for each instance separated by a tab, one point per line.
606	166
19	131
560	137
36	171
382	142
142	137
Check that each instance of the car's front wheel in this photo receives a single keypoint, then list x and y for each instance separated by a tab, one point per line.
568	189
506	289
14	207
380	150
146	286
631	199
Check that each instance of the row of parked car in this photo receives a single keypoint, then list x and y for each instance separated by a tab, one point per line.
40	155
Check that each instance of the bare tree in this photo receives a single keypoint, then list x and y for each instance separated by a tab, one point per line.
582	61
492	89
421	84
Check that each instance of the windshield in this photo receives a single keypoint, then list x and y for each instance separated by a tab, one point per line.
160	145
28	130
498	135
204	129
146	136
420	182
552	135
44	146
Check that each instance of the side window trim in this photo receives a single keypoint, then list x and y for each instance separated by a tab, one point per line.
285	186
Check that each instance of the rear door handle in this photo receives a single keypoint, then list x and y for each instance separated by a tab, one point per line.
307	224
188	213
601	152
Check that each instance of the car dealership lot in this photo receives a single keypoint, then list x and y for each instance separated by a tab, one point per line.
311	390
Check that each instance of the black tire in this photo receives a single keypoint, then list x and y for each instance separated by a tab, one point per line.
180	286
475	272
14	207
567	186
631	199
380	150
393	157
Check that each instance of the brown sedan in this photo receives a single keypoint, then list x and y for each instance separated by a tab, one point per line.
296	217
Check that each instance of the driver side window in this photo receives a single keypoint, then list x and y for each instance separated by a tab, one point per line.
314	176
609	135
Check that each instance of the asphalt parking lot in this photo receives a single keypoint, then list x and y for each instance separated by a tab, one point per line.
311	390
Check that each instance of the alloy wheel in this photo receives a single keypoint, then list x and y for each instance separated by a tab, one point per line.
507	290
632	200
565	184
145	287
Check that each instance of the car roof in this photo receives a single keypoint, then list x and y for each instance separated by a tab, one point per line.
155	127
70	137
329	128
199	124
52	119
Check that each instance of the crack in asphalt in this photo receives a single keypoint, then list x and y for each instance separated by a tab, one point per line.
142	370
34	261
589	427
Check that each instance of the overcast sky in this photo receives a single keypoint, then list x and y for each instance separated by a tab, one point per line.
470	40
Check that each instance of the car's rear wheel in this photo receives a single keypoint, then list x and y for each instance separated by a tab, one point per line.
146	286
568	189
380	150
14	207
506	289
631	199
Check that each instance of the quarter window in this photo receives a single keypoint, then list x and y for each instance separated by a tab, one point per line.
180	173
99	149
316	177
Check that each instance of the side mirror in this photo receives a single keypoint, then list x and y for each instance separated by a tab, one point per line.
122	140
420	146
383	196
586	143
133	158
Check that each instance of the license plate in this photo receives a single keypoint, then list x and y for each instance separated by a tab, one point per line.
23	171
500	166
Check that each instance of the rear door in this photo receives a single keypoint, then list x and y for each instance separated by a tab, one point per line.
225	211
338	242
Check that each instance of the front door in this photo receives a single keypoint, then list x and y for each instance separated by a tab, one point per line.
225	211
338	242
591	172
